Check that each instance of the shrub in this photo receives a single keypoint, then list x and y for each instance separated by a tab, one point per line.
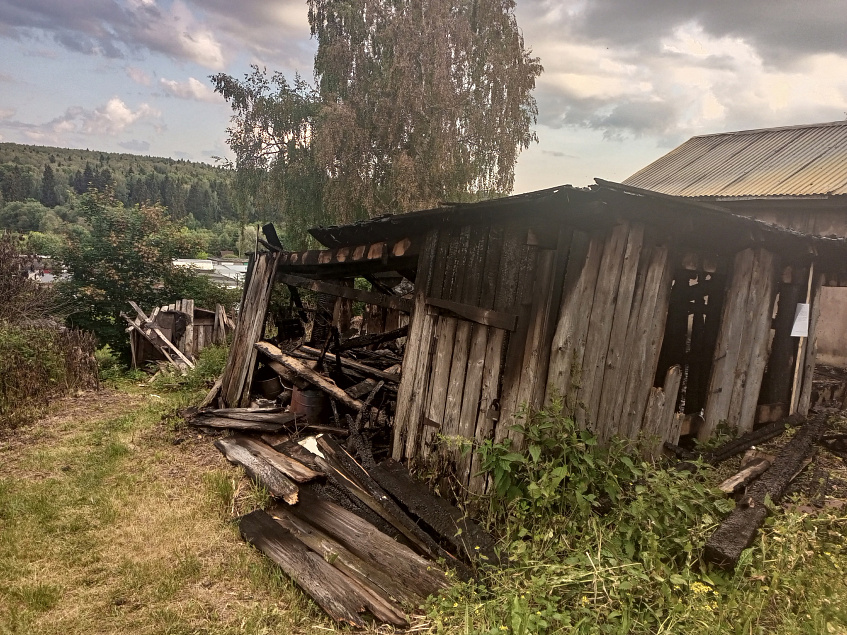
38	363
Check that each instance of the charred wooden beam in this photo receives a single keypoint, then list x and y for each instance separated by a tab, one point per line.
449	522
370	340
314	378
350	293
739	529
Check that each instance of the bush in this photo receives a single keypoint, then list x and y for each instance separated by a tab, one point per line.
38	363
596	540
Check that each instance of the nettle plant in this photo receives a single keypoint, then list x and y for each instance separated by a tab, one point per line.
592	535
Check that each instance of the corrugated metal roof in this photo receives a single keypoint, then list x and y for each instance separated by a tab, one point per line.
794	161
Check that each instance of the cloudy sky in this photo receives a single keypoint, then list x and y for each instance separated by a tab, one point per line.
624	80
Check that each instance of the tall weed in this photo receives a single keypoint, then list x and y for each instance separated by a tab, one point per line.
598	541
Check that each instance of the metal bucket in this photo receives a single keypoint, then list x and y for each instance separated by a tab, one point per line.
312	404
270	387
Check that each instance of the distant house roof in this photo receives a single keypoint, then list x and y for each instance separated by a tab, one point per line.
796	161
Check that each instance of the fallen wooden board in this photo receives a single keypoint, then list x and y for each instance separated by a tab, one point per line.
298	367
292	468
259	469
447	521
739	529
414	572
369	575
330	588
359	295
235	424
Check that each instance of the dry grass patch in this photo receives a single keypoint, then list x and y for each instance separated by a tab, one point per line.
114	521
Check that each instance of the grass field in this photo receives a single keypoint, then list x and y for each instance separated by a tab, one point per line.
116	519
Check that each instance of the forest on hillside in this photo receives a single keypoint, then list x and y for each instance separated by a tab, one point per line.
40	186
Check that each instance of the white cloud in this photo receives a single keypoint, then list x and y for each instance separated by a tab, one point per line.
139	76
190	89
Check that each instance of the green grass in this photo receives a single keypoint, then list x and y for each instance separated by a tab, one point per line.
114	518
107	526
600	542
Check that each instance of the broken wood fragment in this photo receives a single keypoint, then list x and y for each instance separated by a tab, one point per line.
259	469
739	529
346	362
755	468
293	469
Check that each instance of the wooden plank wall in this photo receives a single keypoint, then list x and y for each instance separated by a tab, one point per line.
462	377
609	333
742	347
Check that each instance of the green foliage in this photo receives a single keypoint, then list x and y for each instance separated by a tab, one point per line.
208	367
37	363
414	104
598	541
126	255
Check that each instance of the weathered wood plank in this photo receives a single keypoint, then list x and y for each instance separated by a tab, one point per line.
369	576
414	572
241	362
608	410
600	323
334	592
292	468
568	346
659	413
359	295
810	356
761	310
640	373
726	350
259	469
370	340
416	364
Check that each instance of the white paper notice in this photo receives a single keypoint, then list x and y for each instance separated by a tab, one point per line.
801	321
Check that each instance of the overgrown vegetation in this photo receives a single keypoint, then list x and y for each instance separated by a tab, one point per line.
39	359
126	253
599	541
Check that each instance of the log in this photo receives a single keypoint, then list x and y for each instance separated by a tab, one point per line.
739	529
414	572
747	441
334	592
259	470
737	481
314	378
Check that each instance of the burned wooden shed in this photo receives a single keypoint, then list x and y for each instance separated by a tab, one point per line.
634	308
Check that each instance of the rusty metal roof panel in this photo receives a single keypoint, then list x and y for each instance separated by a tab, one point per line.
795	161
